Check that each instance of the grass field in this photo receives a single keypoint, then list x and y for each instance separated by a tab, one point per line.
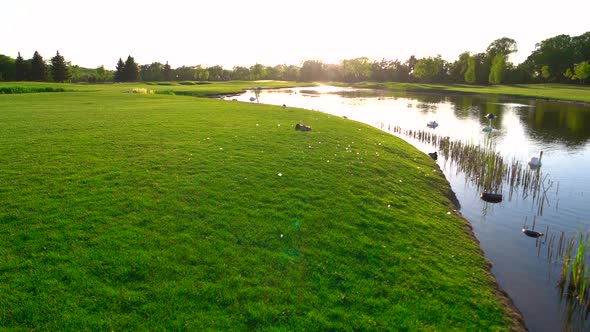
543	91
125	211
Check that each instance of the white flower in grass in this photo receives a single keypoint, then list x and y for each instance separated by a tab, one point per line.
280	174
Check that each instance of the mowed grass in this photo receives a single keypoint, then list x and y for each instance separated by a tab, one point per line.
152	212
544	91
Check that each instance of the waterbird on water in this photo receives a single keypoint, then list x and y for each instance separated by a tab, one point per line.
531	233
534	161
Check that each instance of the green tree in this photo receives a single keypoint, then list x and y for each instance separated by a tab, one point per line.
276	73
167	72
59	68
201	74
430	69
459	68
504	46
153	72
21	68
257	72
470	71
582	71
131	72
7	68
216	73
497	69
38	68
356	70
241	73
119	75
568	73
103	75
545	73
291	73
312	70
558	53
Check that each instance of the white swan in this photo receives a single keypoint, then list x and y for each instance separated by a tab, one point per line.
534	161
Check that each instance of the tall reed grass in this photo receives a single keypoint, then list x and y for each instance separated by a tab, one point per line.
486	168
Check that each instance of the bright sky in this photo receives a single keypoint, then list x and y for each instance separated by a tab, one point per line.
242	33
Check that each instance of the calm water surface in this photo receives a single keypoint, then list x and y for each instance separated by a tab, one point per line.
523	127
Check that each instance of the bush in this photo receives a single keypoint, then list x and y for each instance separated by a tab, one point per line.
29	89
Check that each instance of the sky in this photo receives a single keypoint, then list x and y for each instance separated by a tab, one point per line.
242	33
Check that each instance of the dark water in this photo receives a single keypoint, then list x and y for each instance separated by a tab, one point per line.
523	127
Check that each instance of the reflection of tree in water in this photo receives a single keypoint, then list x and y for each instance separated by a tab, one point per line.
558	122
426	107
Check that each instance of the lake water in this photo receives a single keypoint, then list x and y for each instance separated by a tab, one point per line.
526	268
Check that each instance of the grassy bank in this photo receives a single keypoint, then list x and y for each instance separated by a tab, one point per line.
542	91
125	211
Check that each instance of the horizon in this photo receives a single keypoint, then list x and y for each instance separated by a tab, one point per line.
233	33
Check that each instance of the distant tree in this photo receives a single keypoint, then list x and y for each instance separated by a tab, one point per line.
356	70
184	73
504	46
59	68
558	53
411	64
216	73
470	71
103	75
7	68
312	70
21	68
430	69
153	72
545	73
568	73
167	72
459	67
582	71
131	72
382	71
482	68
257	72
497	69
581	47
331	72
241	73
291	73
201	74
119	75
276	73
38	68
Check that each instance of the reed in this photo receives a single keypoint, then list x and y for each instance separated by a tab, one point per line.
574	277
486	168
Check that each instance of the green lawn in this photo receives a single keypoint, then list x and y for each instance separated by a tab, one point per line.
544	91
125	211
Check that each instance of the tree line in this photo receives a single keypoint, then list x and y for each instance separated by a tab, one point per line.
560	59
